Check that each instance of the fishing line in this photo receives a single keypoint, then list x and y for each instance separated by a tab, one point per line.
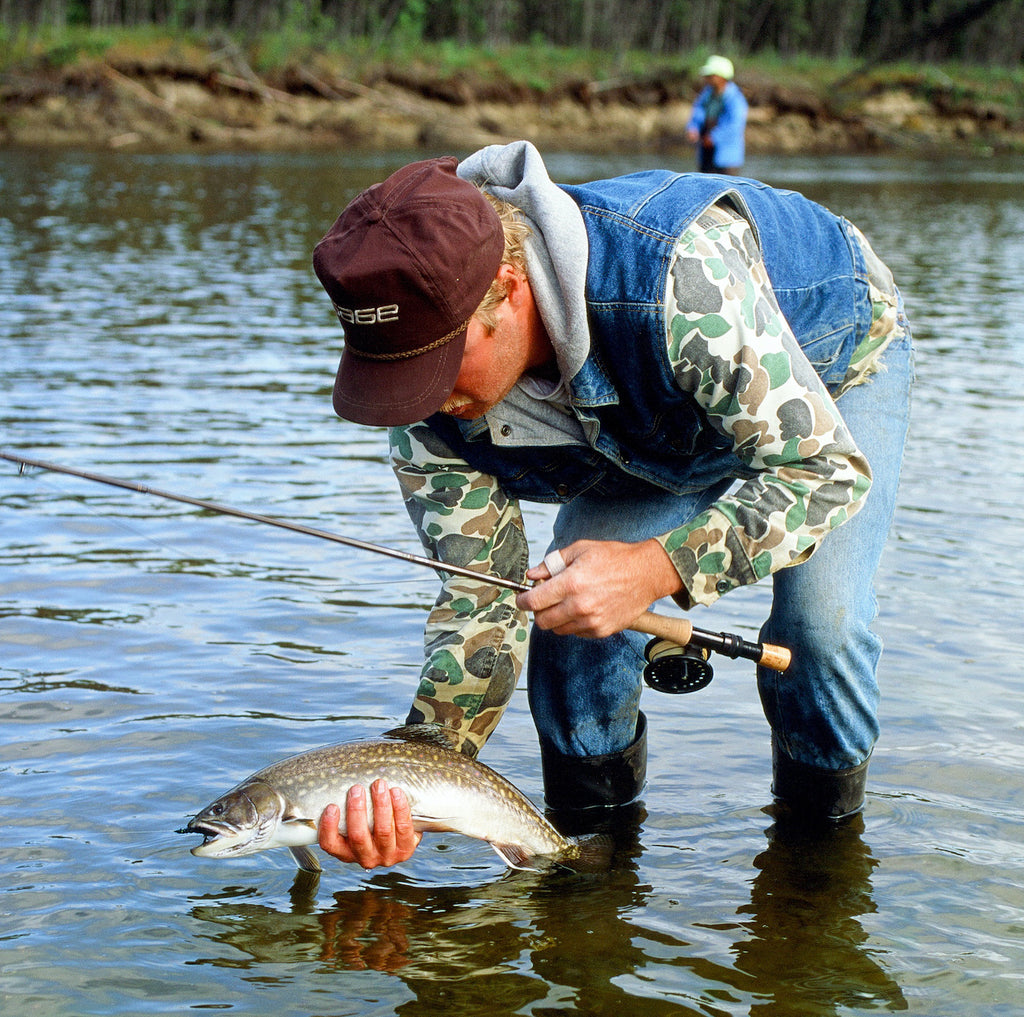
115	522
172	550
668	630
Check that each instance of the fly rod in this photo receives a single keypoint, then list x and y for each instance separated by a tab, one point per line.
678	631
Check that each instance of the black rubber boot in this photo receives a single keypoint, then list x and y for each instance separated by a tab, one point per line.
584	782
814	793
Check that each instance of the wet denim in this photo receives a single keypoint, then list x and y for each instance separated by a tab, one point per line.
584	694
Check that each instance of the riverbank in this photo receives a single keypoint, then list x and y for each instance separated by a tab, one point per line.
169	95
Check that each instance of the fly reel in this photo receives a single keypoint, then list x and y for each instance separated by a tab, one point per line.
676	669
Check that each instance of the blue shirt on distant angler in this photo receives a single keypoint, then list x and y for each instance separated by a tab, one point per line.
718	121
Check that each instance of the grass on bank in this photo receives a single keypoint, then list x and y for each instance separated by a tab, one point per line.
537	67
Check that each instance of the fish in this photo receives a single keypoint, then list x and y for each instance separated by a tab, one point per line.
281	805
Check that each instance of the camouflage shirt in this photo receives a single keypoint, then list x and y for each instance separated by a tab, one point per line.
742	367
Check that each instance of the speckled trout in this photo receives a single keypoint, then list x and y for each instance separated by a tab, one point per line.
280	806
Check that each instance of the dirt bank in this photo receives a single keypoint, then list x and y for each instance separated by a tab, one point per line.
210	100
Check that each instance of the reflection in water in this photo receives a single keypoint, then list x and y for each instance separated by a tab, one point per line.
572	939
489	949
806	950
48	683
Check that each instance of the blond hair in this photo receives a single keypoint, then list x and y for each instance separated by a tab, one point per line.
516	231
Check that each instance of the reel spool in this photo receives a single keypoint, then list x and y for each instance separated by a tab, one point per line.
676	669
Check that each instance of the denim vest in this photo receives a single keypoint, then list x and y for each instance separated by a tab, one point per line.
643	429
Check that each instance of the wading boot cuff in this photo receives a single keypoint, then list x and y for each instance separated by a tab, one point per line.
813	792
584	782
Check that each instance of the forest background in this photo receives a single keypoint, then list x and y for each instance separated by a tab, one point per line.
863	75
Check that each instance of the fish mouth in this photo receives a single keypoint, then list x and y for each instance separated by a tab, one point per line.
218	838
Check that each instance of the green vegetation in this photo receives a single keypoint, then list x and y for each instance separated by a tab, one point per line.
537	68
973	31
427	72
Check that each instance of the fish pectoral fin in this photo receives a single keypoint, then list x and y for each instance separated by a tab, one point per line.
294	819
305	859
300	827
516	858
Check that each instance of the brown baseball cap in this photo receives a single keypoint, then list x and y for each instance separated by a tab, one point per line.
406	264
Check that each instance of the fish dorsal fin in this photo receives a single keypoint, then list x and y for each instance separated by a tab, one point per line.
305	859
431	734
516	858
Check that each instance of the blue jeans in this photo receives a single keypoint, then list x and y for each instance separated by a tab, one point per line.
585	693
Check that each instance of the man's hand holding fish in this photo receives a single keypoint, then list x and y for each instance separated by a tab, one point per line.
392	837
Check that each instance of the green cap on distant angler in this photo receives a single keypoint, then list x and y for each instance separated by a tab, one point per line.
719	67
406	265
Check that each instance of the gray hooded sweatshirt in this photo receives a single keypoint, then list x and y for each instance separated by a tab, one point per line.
556	261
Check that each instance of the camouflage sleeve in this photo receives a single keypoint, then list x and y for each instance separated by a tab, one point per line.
731	347
475	638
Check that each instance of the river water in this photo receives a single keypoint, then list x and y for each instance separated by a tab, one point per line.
160	322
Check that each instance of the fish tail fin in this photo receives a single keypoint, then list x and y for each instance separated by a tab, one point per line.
305	859
591	853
